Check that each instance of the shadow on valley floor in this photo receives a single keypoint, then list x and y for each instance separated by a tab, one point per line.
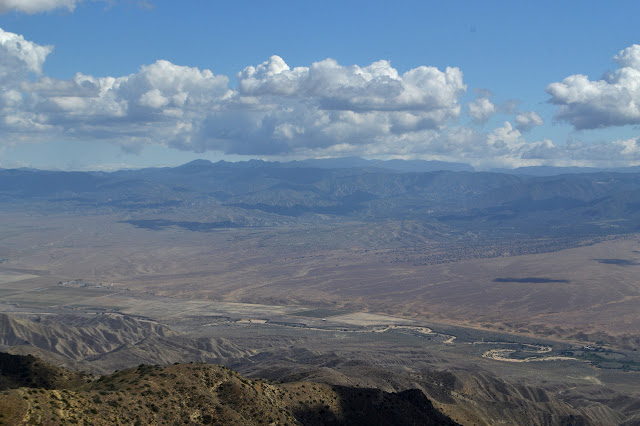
160	224
619	262
534	280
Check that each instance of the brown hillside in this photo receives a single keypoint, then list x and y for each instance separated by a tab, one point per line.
205	394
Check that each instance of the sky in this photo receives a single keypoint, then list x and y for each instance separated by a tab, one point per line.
104	85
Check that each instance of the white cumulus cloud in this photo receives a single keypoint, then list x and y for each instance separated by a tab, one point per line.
18	55
612	101
481	110
376	87
19	59
277	109
505	139
528	120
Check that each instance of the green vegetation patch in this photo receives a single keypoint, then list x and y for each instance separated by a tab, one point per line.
607	359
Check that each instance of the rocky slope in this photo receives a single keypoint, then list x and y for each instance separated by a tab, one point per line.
200	394
310	381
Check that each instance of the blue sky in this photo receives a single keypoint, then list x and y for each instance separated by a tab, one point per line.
104	85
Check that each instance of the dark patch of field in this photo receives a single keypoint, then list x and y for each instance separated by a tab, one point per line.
160	224
534	280
619	262
320	313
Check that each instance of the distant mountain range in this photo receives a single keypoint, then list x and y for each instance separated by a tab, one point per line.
404	166
203	196
554	171
411	166
421	166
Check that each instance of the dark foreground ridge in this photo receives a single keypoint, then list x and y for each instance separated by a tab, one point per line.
195	394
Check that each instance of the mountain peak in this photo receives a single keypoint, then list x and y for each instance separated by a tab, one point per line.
197	163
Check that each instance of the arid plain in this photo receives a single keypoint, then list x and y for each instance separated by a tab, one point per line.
591	289
345	304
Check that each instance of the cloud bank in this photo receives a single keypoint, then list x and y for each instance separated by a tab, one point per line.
273	110
324	109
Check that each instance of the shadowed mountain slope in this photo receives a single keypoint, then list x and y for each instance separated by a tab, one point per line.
17	371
